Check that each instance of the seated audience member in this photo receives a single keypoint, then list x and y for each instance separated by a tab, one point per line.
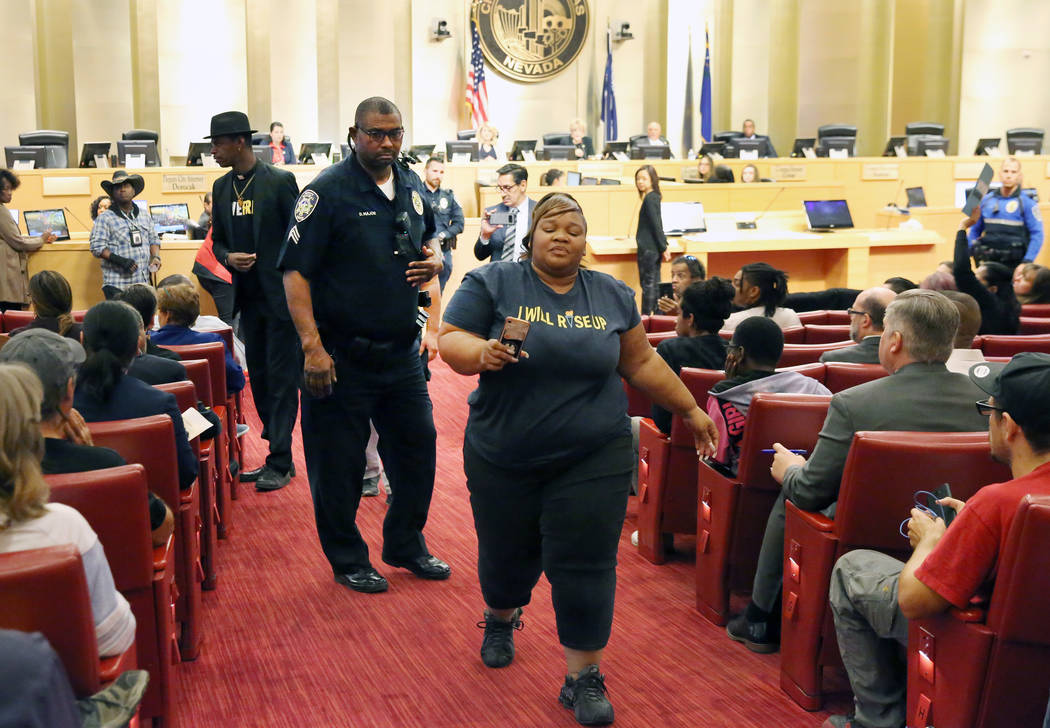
105	393
142	298
750	174
865	327
919	394
34	687
963	355
67	441
178	307
705	168
750	367
723	173
938	281
154	369
52	301
488	135
1032	283
99	205
899	285
280	153
705	308
553	178
579	139
992	287
873	595
760	291
685	271
205	322
28	521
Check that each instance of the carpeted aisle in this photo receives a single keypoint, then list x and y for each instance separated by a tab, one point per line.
286	646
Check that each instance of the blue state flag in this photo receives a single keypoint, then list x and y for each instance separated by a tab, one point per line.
705	91
608	97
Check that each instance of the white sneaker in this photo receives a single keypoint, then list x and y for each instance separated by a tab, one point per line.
634	538
243	430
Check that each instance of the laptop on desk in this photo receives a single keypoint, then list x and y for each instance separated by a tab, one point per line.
682	218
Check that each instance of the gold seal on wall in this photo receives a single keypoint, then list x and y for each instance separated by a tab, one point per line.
531	40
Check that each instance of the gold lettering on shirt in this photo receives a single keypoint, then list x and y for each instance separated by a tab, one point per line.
242	208
568	320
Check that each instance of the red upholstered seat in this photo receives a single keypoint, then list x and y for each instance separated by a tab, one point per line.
667	473
808	353
1034	325
44	590
839	375
826	333
993	345
199	372
819	317
732	511
150	441
661	323
792	335
13	319
989	670
78	316
645	322
114	503
1036	309
655	337
638	402
883	470
813	370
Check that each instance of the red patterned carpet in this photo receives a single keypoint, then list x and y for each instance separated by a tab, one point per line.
286	646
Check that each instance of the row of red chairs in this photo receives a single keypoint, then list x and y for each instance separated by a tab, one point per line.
12	319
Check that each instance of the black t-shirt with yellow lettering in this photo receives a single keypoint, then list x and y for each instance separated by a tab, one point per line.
242	215
566	398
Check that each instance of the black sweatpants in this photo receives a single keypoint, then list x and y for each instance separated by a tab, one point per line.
563	520
649	279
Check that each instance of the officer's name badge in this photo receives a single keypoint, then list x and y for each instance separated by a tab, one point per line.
417	202
305	205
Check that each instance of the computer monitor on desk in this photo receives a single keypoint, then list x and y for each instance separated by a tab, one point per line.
195	151
520	147
422	152
835	146
896	147
750	148
26	157
613	149
931	146
651	151
41	222
146	148
714	149
573	179
827	215
559	151
459	151
94	152
988	146
680	218
1025	145
170	218
263	153
916	197
309	149
798	149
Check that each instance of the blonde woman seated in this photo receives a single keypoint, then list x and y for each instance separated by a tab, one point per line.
488	135
579	139
28	521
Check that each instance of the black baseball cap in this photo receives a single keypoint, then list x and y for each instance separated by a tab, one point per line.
1020	386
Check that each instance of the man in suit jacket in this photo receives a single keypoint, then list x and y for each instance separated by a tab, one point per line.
505	242
920	395
865	327
251	210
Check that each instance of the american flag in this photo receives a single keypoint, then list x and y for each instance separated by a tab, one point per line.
477	91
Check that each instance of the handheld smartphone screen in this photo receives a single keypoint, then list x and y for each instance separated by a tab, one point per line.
503	218
514	332
666	291
947	512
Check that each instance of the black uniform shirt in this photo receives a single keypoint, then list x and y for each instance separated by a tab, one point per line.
448	215
342	240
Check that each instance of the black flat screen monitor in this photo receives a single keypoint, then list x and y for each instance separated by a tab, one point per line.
559	151
916	197
1024	145
713	148
614	148
651	151
802	143
927	144
891	146
754	144
40	222
309	149
90	150
452	148
263	153
170	218
609	181
588	181
680	218
422	152
827	214
193	154
36	155
147	148
572	179
519	147
827	144
986	143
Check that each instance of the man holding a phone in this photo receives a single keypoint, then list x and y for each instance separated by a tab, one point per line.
874	595
504	226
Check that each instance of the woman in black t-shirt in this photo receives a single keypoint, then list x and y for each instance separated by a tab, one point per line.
652	245
547	448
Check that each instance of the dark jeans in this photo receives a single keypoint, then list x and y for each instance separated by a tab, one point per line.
271	347
563	520
335	434
222	293
649	279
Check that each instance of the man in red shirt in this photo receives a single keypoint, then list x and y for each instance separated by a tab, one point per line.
874	595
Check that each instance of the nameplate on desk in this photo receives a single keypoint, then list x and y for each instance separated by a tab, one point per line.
184	183
967	170
880	171
24	164
781	172
135	161
66	185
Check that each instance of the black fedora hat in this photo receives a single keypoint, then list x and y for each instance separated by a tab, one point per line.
229	123
119	178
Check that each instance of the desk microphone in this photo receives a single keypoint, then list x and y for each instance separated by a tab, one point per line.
86	227
751	224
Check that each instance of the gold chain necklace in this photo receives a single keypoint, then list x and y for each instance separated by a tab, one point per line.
243	189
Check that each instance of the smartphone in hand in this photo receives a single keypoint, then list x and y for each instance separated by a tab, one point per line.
503	218
666	291
513	335
946	512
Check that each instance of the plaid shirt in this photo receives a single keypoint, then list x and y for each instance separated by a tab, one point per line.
112	230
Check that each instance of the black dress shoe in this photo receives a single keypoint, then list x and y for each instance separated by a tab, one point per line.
366	580
250	476
425	567
270	479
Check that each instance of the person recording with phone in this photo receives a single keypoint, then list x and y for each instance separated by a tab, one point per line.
503	226
547	447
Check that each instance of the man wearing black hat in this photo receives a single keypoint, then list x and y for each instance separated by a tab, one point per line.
251	208
874	595
123	236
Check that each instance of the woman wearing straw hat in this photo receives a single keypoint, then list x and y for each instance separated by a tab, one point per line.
123	236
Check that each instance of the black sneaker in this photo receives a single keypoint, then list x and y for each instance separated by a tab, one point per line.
585	696
497	647
758	637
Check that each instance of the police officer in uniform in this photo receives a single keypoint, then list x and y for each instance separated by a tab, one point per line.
353	261
1010	227
448	215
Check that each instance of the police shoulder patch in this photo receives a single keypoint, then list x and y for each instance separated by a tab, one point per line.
417	202
1036	213
305	205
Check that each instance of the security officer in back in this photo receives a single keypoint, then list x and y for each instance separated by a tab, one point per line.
353	261
448	215
1010	227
